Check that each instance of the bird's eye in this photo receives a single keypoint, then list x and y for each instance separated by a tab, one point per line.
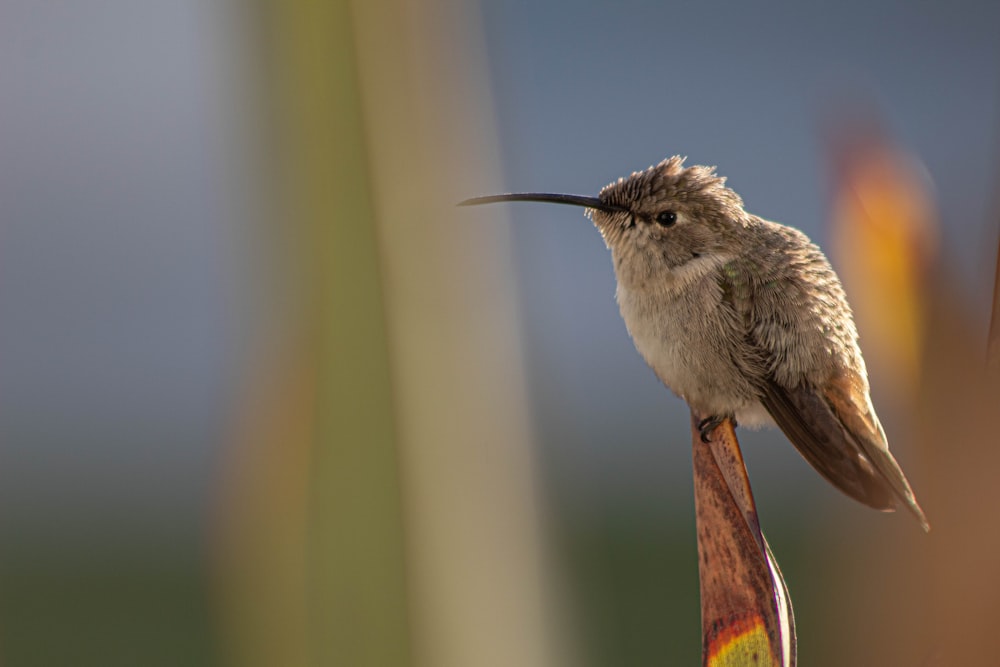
666	218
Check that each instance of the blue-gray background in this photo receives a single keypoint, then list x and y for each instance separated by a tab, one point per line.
588	92
116	248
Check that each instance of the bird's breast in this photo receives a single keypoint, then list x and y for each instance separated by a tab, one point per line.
668	330
686	338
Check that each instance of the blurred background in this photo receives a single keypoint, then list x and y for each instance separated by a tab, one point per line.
267	397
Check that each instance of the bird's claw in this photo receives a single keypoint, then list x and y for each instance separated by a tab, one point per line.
707	425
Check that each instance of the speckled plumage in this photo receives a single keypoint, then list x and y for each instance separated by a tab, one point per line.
744	317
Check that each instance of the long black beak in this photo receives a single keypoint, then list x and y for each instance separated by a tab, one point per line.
575	200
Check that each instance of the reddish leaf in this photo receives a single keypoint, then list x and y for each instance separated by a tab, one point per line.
746	614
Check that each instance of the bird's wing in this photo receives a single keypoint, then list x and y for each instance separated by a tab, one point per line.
833	426
836	431
806	418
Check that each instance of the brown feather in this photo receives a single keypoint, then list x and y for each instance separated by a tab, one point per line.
847	396
806	419
836	431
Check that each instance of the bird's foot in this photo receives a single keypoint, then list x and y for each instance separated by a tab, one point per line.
707	425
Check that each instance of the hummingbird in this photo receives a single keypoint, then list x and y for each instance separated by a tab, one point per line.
744	319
